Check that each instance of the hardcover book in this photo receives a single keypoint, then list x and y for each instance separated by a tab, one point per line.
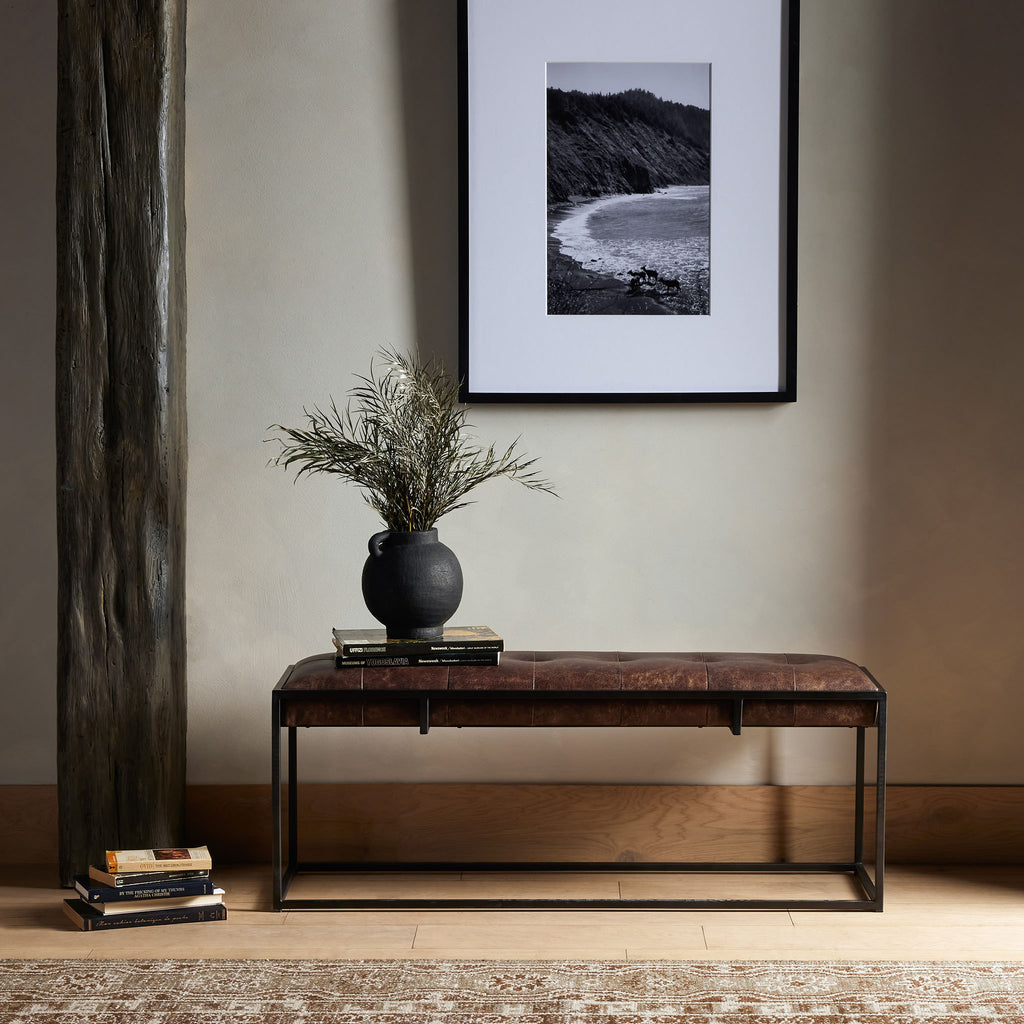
169	903
91	892
401	661
178	858
89	919
454	640
134	878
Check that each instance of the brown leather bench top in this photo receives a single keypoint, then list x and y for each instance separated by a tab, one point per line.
586	688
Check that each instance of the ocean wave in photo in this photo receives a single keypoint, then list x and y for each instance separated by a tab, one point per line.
667	231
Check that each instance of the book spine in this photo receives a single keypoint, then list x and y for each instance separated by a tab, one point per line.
414	648
412	660
132	893
90	920
165	865
136	878
190	859
172	903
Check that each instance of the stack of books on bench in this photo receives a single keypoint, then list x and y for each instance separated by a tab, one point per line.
146	887
458	645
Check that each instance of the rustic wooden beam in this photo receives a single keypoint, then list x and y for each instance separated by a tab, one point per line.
121	439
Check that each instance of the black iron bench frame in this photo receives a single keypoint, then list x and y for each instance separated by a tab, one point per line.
870	887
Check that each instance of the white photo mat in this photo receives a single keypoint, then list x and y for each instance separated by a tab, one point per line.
510	348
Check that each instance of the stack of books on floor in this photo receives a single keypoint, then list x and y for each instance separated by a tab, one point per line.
146	887
458	645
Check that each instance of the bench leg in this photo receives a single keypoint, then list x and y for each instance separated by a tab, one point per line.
293	799
858	838
281	878
275	799
880	806
874	887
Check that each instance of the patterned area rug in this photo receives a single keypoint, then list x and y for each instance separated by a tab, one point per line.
495	992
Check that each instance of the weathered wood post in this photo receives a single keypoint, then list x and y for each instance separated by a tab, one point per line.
120	406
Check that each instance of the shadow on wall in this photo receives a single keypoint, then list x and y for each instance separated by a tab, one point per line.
427	46
946	530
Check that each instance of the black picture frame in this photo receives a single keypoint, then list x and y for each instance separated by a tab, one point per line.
511	348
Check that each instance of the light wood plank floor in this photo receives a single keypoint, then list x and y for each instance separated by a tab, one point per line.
948	913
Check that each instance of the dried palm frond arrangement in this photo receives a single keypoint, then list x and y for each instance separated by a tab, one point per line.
404	439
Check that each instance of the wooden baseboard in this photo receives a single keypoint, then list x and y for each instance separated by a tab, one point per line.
28	825
458	821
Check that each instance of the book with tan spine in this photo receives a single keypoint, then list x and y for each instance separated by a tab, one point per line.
178	858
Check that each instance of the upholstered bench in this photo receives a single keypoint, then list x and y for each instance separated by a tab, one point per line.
587	689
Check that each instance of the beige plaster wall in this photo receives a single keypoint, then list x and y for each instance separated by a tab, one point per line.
877	518
28	513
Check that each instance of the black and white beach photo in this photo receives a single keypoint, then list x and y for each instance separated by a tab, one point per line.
588	136
628	188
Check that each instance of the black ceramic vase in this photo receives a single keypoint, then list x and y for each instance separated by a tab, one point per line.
412	583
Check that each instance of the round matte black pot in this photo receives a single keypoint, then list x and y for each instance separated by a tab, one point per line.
412	583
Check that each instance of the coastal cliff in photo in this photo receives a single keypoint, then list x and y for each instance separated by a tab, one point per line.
630	142
628	188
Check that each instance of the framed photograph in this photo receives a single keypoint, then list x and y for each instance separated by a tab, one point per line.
628	200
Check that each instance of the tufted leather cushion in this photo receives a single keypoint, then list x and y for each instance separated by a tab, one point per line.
585	688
